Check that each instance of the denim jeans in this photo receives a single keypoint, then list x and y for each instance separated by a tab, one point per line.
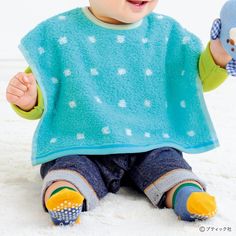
153	172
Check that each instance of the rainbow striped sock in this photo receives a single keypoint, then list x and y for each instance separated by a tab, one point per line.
64	206
191	203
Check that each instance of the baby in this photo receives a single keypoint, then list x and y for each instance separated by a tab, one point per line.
117	89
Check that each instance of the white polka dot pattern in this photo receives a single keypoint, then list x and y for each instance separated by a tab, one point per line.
117	90
63	40
128	132
41	50
80	136
122	103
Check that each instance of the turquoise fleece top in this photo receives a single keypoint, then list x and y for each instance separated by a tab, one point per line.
116	91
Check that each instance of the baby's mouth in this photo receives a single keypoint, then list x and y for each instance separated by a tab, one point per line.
137	3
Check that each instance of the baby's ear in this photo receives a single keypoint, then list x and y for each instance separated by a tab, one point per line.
228	27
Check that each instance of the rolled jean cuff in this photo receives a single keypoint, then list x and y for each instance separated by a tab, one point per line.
158	188
77	180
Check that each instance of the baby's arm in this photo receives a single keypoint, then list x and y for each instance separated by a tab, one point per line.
220	56
212	66
25	95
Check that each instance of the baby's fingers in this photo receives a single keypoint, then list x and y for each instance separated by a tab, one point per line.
28	80
15	91
18	84
23	79
12	98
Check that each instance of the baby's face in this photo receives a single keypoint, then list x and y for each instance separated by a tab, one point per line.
122	11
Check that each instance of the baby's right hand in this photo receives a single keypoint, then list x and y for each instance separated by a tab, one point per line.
22	91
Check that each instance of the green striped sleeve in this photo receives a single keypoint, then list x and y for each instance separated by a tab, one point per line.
211	74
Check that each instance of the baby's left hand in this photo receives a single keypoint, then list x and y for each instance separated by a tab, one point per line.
221	57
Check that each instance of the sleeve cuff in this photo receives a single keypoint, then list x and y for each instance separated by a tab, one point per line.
211	74
33	114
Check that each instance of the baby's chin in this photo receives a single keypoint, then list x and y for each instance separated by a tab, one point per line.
132	17
129	20
135	10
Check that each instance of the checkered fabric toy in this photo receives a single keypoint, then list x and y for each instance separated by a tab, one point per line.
224	28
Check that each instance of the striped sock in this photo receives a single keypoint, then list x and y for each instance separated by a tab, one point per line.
190	202
64	206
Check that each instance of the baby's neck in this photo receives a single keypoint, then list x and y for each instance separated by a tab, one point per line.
105	19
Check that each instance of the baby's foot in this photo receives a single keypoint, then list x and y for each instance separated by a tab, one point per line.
65	207
201	205
191	203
